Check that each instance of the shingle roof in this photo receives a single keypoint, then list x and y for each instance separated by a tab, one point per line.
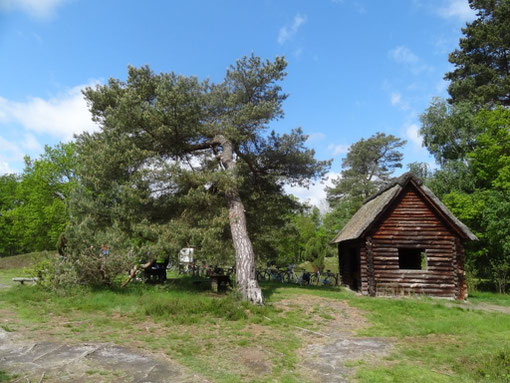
374	206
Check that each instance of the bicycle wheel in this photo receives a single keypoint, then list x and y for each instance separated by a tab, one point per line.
314	279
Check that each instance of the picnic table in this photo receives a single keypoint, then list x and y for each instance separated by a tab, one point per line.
217	280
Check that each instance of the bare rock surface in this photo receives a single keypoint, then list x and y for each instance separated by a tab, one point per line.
329	355
87	362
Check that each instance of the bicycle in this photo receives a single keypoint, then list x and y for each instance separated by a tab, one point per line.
275	275
315	277
261	275
289	276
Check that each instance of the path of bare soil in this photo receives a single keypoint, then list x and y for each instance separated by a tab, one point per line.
482	306
329	354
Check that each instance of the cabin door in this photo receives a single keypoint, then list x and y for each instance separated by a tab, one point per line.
355	266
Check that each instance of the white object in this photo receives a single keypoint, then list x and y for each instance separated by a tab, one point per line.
186	255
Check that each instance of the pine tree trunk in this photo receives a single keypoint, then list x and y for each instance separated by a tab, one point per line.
245	257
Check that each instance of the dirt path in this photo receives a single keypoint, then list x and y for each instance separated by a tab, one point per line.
329	354
86	362
482	306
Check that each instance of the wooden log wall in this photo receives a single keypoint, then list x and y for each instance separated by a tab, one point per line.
411	223
364	268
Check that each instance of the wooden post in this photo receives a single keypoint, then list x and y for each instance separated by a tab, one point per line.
370	267
460	277
455	269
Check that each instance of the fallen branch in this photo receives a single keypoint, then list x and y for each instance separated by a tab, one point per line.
313	332
17	380
442	373
302	329
42	377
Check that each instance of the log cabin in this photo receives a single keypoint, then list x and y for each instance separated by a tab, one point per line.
404	241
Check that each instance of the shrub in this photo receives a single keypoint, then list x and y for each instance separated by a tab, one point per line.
87	268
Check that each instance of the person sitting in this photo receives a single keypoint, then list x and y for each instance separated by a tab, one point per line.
105	250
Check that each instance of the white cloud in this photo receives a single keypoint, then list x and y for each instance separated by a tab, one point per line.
8	147
413	135
31	143
4	168
10	152
404	56
397	100
338	149
288	31
61	116
40	9
458	9
315	194
314	137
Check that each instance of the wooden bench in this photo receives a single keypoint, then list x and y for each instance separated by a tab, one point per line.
23	280
219	279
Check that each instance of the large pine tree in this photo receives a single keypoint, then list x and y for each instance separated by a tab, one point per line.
482	61
169	137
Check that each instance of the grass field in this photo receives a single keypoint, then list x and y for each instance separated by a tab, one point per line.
434	340
330	263
11	267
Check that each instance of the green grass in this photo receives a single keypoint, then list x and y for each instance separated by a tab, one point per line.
20	261
433	342
203	331
331	263
5	377
16	266
6	275
489	297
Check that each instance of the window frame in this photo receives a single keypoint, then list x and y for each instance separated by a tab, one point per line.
421	252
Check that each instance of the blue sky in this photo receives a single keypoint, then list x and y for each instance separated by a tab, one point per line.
356	67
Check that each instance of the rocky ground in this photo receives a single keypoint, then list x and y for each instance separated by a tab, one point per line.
86	362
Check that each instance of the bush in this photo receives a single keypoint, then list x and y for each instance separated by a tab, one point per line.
472	281
87	268
500	274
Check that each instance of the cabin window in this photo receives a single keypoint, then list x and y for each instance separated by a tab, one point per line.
412	259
